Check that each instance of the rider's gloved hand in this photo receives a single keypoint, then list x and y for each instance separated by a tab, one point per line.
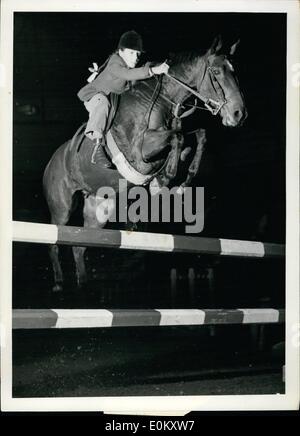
160	69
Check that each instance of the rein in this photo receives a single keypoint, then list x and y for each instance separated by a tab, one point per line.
176	105
210	104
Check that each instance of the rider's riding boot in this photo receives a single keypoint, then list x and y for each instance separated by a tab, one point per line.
101	157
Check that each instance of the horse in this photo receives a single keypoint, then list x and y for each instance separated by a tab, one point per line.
145	141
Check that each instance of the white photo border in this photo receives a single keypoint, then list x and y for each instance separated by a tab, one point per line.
156	405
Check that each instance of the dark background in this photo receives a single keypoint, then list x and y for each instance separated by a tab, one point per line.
243	172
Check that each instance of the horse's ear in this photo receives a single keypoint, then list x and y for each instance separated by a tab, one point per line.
216	45
234	47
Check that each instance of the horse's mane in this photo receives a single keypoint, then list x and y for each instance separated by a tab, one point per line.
185	56
177	62
180	61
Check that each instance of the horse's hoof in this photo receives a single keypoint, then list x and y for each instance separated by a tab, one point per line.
57	288
184	153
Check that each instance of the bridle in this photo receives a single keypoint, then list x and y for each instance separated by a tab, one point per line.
212	105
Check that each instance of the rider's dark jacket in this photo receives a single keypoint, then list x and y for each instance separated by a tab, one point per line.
114	78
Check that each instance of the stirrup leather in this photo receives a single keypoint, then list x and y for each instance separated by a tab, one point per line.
96	146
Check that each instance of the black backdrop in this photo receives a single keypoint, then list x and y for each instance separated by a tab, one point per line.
243	169
243	172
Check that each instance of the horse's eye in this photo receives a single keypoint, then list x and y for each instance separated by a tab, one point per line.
216	72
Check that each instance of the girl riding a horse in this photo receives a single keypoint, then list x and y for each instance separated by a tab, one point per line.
114	78
145	141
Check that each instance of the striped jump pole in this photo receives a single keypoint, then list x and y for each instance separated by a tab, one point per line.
98	318
87	237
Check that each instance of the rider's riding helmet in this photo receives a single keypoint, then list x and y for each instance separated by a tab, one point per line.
132	40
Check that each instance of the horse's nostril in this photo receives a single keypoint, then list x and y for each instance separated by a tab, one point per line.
237	114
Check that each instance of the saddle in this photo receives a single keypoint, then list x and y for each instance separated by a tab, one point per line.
110	152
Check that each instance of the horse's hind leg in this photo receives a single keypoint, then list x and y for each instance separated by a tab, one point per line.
95	213
59	197
57	271
78	253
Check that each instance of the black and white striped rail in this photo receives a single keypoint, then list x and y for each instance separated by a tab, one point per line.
99	318
87	237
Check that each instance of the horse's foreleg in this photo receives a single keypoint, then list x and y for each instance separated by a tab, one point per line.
154	143
195	164
174	156
176	142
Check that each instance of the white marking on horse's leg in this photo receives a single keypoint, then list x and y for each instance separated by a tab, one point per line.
104	209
